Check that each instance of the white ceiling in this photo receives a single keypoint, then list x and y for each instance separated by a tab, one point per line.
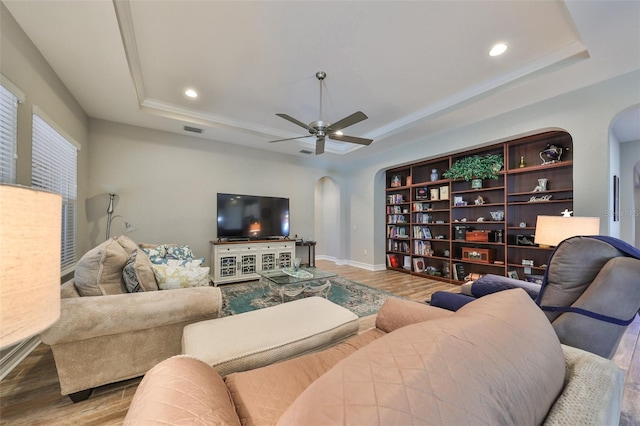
416	68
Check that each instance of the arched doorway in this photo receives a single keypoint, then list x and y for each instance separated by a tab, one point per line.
327	227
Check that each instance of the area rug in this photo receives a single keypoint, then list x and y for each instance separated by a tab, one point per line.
360	299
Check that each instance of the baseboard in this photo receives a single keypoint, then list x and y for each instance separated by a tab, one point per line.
16	354
361	265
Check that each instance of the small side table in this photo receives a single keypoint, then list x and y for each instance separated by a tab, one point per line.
311	250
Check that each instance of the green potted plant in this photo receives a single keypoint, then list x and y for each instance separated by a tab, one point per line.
475	168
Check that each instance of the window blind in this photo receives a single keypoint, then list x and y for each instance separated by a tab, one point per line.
54	167
8	135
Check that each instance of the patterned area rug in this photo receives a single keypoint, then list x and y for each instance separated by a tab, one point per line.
360	299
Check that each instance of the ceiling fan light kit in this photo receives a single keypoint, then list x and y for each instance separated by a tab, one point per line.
322	129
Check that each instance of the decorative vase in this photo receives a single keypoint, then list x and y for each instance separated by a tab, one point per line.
434	175
542	183
476	183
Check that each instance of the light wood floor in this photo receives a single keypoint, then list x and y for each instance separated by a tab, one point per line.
30	394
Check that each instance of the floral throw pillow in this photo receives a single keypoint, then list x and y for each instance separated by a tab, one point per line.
178	252
185	263
156	254
169	277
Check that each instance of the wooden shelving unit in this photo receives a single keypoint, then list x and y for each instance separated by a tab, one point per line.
426	227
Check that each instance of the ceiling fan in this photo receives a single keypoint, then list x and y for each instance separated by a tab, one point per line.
322	129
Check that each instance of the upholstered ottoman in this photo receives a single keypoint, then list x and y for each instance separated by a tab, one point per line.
258	338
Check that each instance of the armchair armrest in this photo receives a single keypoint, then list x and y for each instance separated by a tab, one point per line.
83	318
491	283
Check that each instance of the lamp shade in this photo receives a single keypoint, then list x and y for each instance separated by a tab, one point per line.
30	234
552	230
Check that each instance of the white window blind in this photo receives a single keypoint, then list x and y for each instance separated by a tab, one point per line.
8	135
54	167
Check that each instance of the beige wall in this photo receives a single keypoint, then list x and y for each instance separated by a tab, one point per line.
167	184
27	69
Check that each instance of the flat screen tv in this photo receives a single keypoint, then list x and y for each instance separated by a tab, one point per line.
252	217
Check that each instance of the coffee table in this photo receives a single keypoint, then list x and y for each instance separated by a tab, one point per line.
291	282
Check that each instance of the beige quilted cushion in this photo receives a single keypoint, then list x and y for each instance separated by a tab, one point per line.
184	391
99	271
262	395
495	361
127	244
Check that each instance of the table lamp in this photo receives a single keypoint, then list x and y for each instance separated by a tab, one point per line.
30	235
552	230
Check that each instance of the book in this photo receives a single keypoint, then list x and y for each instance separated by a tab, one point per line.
418	264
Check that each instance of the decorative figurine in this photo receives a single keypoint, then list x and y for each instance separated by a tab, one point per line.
479	200
566	213
522	163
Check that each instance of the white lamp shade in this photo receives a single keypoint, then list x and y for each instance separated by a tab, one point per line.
552	230
30	235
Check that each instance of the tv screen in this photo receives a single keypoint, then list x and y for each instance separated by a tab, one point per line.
252	217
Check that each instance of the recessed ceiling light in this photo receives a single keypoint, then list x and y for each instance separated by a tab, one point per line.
191	93
498	49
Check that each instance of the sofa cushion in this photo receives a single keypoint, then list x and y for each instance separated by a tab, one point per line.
169	277
263	394
495	361
396	313
99	271
137	273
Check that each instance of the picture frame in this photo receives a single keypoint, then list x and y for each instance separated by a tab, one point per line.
444	192
422	193
435	194
418	264
513	274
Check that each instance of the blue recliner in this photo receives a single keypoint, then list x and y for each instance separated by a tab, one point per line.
590	292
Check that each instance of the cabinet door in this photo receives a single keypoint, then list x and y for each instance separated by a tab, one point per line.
285	258
268	261
248	264
227	266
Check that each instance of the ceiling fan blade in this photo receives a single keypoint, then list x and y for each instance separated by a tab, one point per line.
351	139
290	139
294	121
354	118
319	146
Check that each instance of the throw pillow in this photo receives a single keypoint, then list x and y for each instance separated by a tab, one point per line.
171	278
137	273
156	254
185	263
179	252
127	244
99	271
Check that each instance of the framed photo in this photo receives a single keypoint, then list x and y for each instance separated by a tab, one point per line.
435	194
418	264
444	192
422	193
513	274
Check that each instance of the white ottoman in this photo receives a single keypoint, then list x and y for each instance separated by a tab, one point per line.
258	338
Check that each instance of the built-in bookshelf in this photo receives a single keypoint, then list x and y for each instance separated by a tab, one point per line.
447	230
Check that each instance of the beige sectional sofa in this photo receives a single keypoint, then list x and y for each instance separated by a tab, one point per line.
495	361
106	334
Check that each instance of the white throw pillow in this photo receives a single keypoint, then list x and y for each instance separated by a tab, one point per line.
169	277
